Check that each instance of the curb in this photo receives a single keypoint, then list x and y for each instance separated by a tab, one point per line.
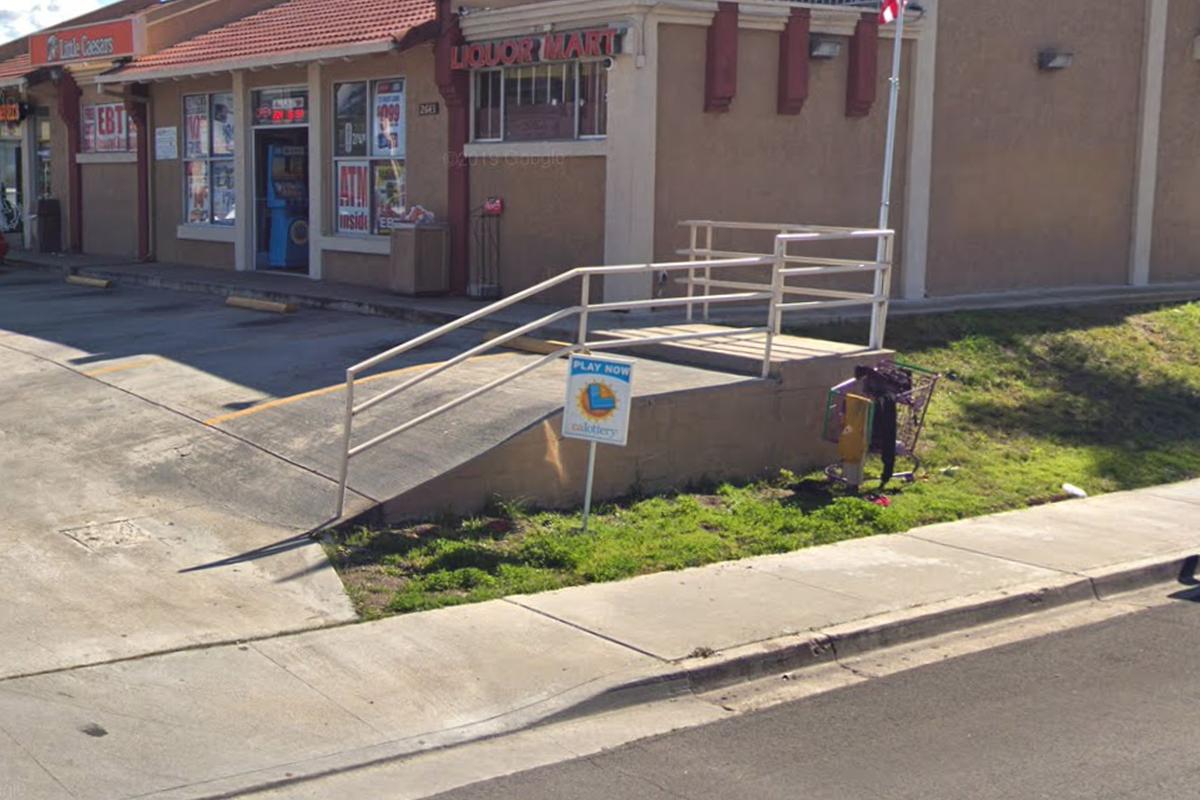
741	665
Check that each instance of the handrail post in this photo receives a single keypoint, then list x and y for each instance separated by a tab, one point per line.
708	246
344	468
691	281
585	299
774	315
883	291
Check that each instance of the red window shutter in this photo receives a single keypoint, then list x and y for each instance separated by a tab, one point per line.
720	79
864	60
793	62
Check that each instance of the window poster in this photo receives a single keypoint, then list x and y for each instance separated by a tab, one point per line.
222	124
353	197
195	126
388	119
350	120
391	196
224	198
89	129
196	193
110	128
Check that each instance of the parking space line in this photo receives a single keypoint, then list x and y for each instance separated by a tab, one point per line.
122	367
296	398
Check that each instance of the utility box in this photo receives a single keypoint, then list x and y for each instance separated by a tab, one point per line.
48	225
420	260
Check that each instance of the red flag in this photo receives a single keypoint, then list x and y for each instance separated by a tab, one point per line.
891	10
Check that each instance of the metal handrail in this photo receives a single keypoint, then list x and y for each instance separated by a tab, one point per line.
735	292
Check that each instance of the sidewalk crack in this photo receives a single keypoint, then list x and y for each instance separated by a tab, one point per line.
588	631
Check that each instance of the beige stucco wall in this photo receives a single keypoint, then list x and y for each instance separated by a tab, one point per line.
167	178
1175	255
110	217
1033	172
755	165
553	216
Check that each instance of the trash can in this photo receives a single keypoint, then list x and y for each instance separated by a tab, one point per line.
48	225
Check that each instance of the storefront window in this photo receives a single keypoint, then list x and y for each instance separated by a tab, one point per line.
107	129
41	169
542	102
208	130
369	156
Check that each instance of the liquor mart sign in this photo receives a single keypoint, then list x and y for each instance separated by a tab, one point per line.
101	42
552	47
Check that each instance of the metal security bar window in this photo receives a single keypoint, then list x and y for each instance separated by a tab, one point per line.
542	102
369	146
208	130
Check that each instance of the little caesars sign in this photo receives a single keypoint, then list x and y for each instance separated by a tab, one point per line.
598	43
102	42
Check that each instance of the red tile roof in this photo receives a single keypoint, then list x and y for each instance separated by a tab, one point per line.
15	67
297	27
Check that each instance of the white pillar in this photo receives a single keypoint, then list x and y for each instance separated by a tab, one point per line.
244	246
28	156
1153	61
917	197
316	175
632	140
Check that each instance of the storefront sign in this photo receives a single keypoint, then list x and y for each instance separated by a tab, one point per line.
281	107
102	42
12	111
599	396
354	207
388	119
391	197
597	43
166	144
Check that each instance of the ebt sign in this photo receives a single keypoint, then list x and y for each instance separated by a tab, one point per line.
102	42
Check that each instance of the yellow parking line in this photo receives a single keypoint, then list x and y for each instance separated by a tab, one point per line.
296	398
122	367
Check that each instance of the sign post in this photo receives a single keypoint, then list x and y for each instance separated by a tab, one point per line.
599	398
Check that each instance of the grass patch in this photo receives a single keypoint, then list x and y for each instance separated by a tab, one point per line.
1106	398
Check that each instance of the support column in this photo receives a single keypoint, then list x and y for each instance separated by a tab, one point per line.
455	87
1146	186
918	193
629	199
69	96
138	109
29	154
243	183
316	171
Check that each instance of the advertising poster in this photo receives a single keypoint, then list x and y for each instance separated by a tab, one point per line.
224	198
389	119
353	207
196	193
89	129
110	128
195	126
222	125
391	196
599	397
350	125
166	144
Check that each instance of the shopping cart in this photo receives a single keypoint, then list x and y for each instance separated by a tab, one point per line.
912	406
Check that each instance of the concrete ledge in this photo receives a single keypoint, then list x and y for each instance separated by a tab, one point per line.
83	280
255	304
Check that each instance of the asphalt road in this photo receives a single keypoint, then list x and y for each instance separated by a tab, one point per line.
1106	711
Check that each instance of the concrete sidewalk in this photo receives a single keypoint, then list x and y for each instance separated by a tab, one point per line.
213	722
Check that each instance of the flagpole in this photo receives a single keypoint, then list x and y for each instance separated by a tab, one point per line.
889	158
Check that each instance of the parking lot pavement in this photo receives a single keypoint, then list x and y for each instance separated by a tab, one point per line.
135	518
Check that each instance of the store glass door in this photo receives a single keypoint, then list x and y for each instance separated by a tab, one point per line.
281	180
